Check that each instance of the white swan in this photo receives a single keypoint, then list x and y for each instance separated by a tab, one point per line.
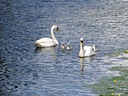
48	42
86	50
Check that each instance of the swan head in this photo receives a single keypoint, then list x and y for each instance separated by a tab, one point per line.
55	28
81	40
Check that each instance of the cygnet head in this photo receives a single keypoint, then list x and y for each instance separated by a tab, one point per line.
69	47
62	46
62	43
55	28
68	44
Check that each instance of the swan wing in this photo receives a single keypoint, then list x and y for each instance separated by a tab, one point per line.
89	51
45	42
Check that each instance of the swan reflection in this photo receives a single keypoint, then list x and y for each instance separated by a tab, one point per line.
83	61
47	53
81	64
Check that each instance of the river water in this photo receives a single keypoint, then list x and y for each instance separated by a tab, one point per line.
27	71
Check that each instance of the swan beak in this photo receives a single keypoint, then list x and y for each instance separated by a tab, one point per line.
57	29
82	42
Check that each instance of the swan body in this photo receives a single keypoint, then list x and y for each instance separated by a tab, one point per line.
48	42
89	51
86	51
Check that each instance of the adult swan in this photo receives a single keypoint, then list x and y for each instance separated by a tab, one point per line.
86	51
48	42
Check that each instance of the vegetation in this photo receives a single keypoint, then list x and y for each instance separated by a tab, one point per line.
114	86
126	51
118	52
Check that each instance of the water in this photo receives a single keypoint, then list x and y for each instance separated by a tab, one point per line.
27	71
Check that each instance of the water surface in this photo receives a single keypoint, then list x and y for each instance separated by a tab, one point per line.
27	71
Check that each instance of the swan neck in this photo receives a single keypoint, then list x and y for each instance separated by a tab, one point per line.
81	46
81	52
53	36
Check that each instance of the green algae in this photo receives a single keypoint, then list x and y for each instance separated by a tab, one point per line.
118	52
113	86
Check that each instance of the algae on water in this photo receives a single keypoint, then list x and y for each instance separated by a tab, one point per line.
113	86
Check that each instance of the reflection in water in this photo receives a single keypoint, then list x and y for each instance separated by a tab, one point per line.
43	49
50	50
86	60
46	53
89	59
81	64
